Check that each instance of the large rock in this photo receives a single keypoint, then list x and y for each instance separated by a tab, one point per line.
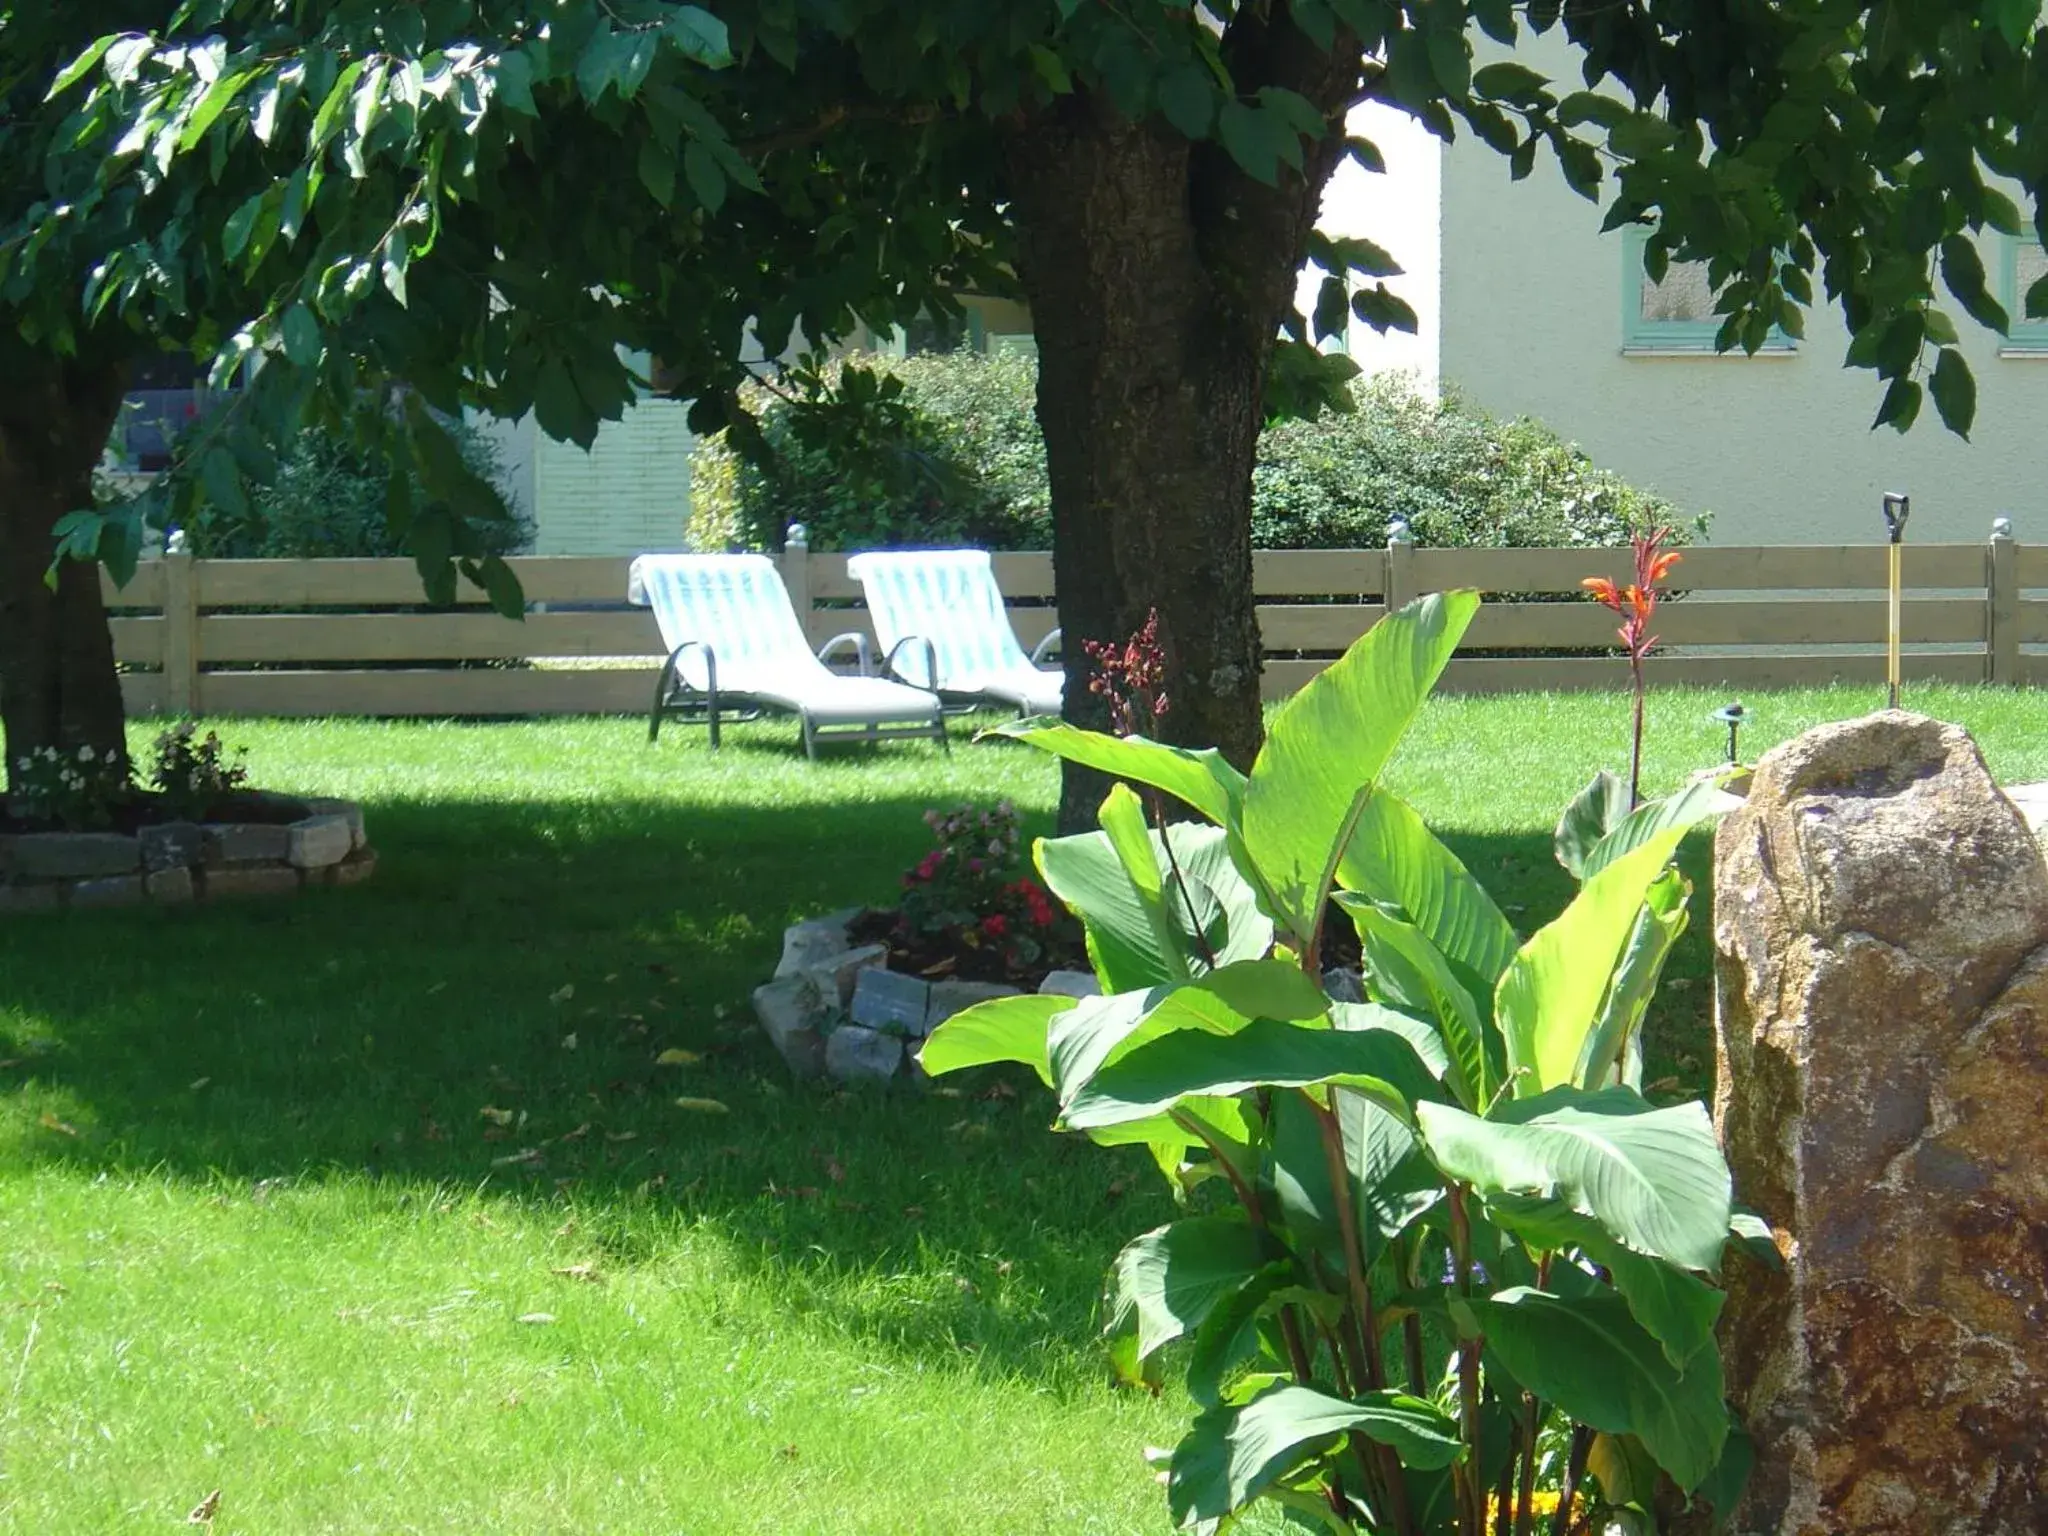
1881	912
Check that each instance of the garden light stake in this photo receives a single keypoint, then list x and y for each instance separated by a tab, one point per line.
1897	508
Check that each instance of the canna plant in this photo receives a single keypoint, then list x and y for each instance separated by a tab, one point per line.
1636	603
1440	1266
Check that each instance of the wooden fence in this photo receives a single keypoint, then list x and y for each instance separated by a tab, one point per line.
353	637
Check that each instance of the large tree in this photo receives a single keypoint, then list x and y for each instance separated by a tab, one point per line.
488	199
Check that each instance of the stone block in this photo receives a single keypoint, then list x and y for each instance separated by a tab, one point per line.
28	898
794	1017
353	870
250	880
1070	984
811	943
317	842
174	845
888	1001
72	855
107	891
857	1055
170	887
358	836
246	842
836	978
951	997
1881	928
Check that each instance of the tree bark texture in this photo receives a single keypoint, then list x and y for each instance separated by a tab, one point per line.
58	687
1158	274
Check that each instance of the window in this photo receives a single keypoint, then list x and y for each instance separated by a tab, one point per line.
935	333
1676	315
166	394
2023	263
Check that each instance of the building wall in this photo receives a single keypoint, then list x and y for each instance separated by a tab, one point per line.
1778	447
1398	210
628	495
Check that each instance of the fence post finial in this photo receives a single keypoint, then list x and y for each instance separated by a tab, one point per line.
2002	604
797	536
1400	586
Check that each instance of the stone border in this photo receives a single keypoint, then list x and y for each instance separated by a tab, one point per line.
834	1011
178	862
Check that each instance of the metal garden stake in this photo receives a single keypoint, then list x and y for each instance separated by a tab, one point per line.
1732	715
1897	508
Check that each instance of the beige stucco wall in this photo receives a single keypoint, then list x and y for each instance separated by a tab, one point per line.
1398	211
1777	447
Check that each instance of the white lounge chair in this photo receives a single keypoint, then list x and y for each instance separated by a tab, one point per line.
733	639
940	618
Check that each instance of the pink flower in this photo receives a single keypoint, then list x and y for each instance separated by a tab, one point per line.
995	925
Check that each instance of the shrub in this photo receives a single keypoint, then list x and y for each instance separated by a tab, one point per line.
192	771
971	466
73	788
1455	474
878	452
1436	1253
329	500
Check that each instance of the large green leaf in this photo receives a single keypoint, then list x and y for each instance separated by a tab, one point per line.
1096	1029
1654	1179
1327	745
1399	957
1085	872
1399	863
1699	801
1596	1364
1594	811
1101	1030
1123	822
1265	1053
1202	779
1172	1277
1675	1307
1613	1050
1001	1029
1550	994
1232	1455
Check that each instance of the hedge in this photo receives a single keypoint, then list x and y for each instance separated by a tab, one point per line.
959	458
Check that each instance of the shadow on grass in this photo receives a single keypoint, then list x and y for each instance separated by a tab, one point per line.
490	1011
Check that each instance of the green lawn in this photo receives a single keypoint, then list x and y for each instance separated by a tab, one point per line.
262	1229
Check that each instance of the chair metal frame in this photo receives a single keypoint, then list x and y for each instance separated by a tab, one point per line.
675	697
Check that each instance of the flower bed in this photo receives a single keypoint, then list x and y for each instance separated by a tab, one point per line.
78	833
251	844
855	990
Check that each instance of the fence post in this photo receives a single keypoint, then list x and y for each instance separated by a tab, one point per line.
796	575
1400	579
2002	595
181	630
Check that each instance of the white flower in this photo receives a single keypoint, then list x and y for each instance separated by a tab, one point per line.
85	754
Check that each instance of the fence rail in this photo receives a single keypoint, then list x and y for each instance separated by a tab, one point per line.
354	637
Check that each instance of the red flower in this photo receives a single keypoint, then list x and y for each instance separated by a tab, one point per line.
1637	602
995	925
929	864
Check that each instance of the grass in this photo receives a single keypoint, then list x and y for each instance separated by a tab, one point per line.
375	1210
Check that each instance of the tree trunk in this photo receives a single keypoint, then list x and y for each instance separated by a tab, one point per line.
58	687
1158	275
